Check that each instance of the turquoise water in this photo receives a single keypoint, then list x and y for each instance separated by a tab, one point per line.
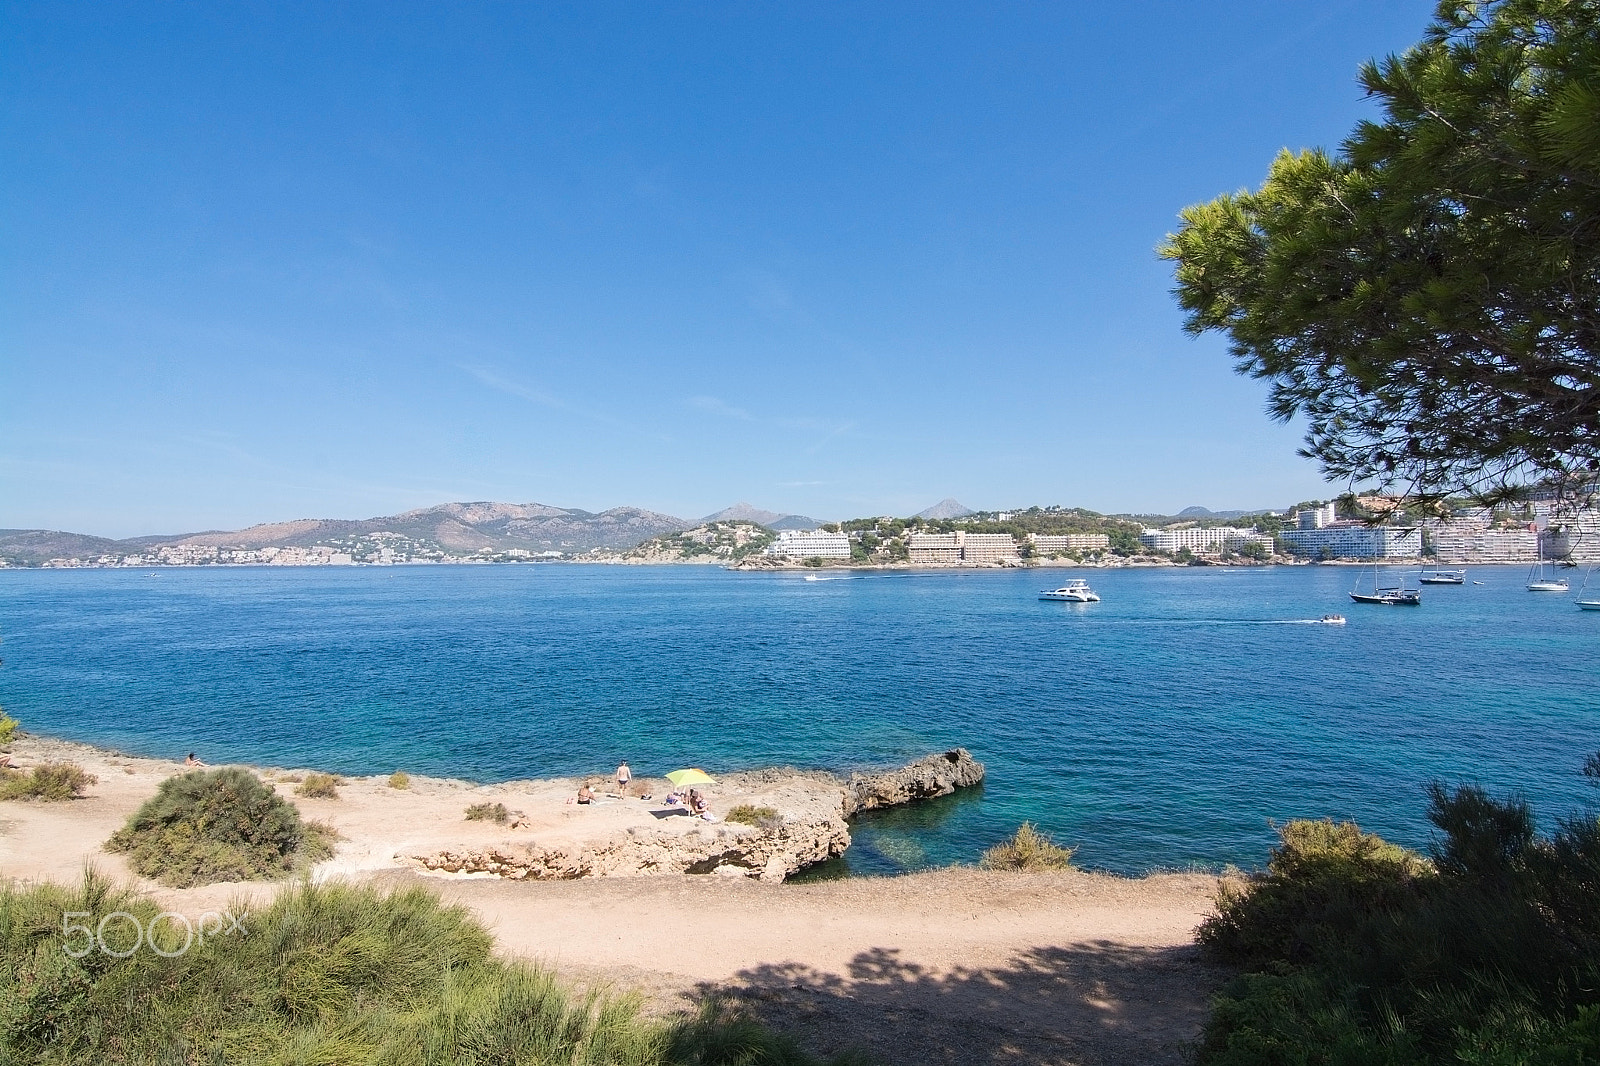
1164	726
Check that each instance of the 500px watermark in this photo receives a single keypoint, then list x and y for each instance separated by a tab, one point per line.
120	934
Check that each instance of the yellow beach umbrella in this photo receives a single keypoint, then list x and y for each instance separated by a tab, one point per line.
690	777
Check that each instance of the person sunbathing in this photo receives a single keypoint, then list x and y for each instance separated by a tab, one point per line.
585	794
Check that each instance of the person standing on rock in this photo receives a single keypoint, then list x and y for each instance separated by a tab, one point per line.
624	777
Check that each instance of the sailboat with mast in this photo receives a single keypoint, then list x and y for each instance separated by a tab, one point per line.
1387	595
1588	601
1543	577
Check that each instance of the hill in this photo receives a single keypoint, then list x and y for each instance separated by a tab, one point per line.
467	527
440	532
719	541
744	512
949	507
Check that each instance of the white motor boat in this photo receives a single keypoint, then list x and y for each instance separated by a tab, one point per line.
1332	619
1075	591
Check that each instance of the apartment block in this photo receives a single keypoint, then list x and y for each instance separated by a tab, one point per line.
1052	543
1355	540
810	544
961	547
1203	540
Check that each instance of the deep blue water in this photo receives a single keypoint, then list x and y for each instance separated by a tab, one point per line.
1164	726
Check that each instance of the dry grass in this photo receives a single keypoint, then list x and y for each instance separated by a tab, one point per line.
320	786
399	779
764	817
1027	851
51	782
488	812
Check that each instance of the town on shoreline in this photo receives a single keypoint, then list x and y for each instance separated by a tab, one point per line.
1371	528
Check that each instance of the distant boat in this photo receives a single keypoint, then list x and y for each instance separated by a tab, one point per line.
1588	601
1542	577
1332	619
1443	577
1074	591
1388	595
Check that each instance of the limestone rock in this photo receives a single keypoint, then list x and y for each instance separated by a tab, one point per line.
936	775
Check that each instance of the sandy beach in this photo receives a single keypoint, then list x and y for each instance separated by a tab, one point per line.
956	965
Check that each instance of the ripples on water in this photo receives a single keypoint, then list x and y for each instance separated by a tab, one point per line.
1164	726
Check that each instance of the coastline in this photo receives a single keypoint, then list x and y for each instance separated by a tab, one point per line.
1095	967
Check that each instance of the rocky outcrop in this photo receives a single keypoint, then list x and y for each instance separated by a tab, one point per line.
936	775
726	849
807	827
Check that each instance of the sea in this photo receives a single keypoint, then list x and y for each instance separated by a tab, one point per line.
1169	726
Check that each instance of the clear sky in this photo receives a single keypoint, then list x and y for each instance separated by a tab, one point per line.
276	260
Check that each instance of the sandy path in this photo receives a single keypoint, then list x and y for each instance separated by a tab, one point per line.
950	966
946	966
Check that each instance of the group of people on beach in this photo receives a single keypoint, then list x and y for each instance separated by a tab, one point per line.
692	800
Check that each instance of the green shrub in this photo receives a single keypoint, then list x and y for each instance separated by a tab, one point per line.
218	825
52	782
8	729
324	974
1322	874
320	786
488	812
1363	952
399	779
1028	850
764	817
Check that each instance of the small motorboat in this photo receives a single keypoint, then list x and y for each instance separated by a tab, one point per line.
1075	591
1332	619
1443	577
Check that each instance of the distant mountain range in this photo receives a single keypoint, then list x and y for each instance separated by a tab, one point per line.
457	529
454	528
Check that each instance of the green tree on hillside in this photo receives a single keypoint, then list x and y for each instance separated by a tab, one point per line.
1428	297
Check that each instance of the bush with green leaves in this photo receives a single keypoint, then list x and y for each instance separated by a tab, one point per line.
1028	850
324	974
8	729
218	825
1357	951
51	781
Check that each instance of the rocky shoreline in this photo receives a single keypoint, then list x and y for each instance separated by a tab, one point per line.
793	818
808	824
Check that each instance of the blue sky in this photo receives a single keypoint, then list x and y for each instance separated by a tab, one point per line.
268	261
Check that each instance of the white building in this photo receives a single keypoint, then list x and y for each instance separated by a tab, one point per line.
810	544
1316	518
1053	543
1203	540
1355	540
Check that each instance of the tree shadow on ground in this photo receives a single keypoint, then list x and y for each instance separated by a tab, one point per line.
1095	1003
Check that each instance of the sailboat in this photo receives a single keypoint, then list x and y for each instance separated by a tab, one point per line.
1389	595
1542	578
1443	577
1588	601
